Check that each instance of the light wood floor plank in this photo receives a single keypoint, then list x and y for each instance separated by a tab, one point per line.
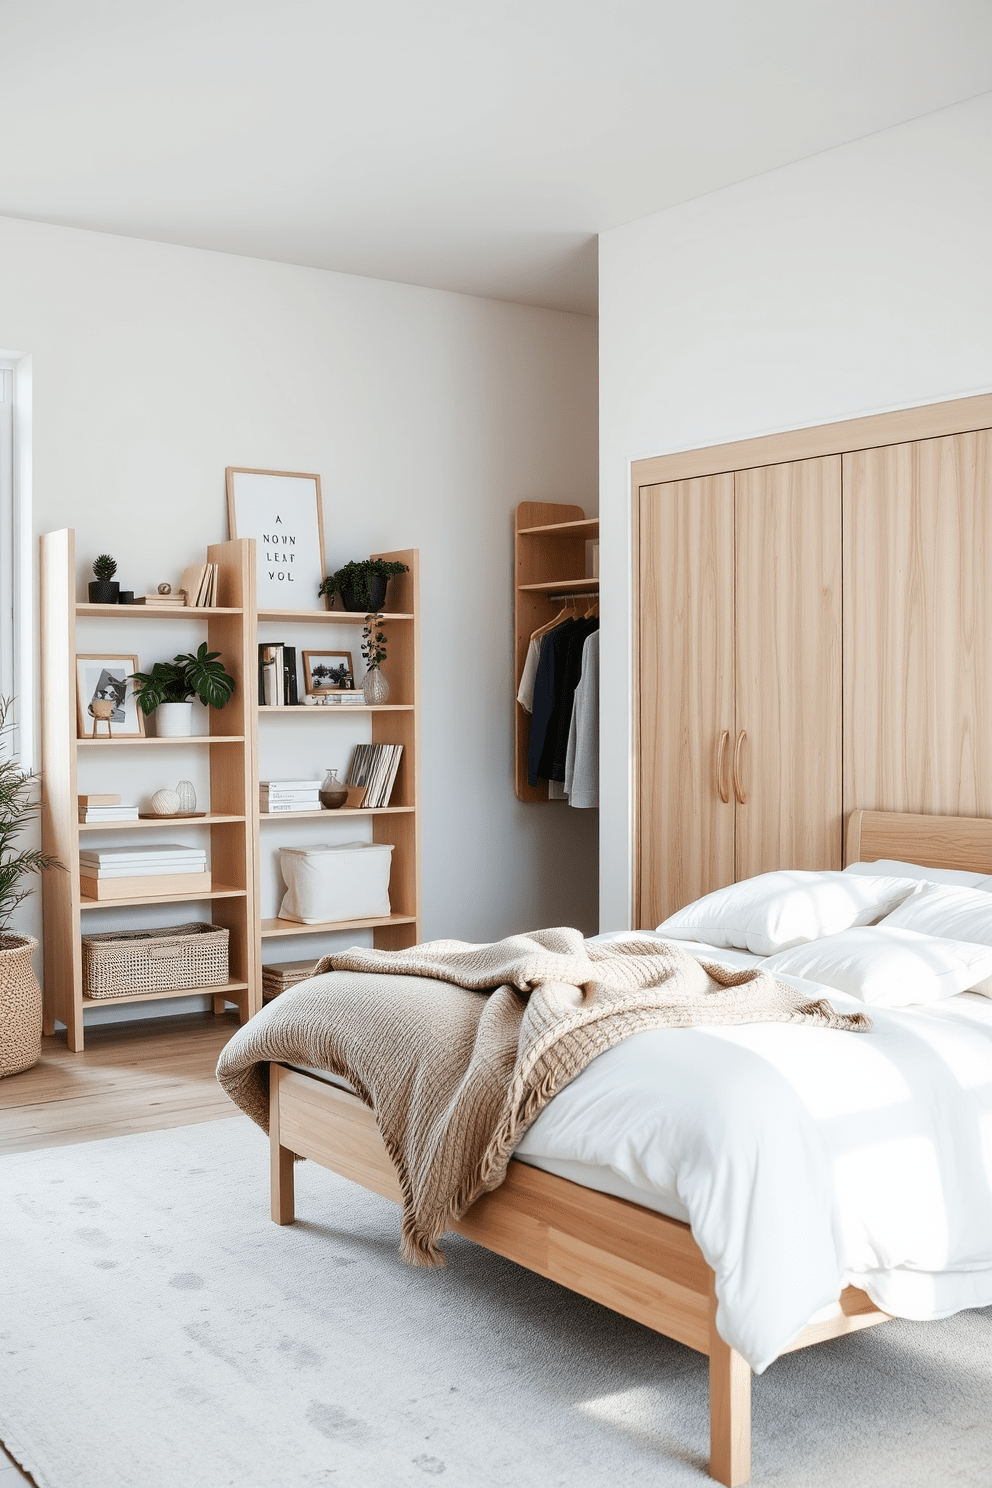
134	1076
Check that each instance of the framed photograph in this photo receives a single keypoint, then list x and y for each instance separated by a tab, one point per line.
282	512
328	671
107	679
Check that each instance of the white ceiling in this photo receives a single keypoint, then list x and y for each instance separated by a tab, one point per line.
473	145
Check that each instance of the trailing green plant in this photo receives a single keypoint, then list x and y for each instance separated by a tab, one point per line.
105	567
17	809
373	642
185	677
358	576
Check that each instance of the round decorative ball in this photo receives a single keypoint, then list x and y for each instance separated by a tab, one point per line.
165	803
165	588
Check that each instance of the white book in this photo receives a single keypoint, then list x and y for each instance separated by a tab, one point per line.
108	816
158	853
297	795
294	785
281	808
143	870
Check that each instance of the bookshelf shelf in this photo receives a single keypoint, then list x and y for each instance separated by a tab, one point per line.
338	812
327	617
224	989
585	527
319	710
233	819
219	891
158	612
180	740
211	819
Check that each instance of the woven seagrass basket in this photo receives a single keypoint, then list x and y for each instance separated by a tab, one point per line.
20	1005
172	959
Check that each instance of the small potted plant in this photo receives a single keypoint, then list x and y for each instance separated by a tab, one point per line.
20	994
362	586
171	686
104	589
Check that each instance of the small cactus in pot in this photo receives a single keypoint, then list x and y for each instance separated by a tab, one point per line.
105	588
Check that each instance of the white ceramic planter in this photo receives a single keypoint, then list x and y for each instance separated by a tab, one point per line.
174	720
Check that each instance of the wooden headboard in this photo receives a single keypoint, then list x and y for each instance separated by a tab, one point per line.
962	842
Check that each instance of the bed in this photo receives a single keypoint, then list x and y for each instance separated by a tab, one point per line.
640	1262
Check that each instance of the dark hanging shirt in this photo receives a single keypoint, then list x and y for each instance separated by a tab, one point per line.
548	666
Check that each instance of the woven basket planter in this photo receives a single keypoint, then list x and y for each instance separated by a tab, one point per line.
20	1005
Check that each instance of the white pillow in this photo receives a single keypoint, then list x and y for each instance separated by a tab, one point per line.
791	907
928	875
962	914
891	968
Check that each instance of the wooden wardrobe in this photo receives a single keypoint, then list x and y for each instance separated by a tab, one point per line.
812	634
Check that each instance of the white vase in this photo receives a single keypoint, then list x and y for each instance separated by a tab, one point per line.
174	720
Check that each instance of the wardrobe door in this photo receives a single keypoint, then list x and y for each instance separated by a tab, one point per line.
918	626
788	746
685	669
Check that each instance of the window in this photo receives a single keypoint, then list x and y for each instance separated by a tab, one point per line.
16	558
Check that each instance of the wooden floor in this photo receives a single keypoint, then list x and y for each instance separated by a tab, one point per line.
134	1076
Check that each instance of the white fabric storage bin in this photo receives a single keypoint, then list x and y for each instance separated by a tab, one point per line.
346	882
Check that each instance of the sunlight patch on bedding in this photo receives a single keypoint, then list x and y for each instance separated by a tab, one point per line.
892	1187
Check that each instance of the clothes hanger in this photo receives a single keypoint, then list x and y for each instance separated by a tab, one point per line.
565	614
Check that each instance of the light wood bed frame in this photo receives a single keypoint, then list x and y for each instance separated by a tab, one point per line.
630	1259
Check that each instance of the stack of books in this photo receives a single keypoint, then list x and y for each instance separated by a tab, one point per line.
134	872
375	767
161	601
278	796
281	975
346	699
277	685
199	584
105	808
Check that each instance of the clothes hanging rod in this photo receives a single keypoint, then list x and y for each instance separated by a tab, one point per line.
575	594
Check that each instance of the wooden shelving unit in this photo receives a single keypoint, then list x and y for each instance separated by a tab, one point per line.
549	558
395	722
233	819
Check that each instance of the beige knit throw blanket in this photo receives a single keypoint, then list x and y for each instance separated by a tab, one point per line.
457	1048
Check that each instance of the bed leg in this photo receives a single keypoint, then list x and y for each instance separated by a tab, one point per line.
730	1410
281	1160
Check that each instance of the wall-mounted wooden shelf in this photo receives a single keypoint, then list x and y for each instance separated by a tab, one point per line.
551	586
291	927
586	528
338	813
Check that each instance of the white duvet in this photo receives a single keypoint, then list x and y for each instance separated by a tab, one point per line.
804	1158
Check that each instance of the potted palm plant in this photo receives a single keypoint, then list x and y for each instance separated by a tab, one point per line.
170	688
20	994
362	586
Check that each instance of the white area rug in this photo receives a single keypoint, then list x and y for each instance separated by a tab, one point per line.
157	1330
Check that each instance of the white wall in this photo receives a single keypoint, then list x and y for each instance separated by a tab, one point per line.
428	415
853	282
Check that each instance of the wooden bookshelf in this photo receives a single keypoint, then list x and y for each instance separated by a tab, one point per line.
231	821
549	558
394	722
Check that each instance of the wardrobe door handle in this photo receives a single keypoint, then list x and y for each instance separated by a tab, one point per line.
721	754
738	788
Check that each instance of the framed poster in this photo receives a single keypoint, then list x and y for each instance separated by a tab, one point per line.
107	679
282	512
